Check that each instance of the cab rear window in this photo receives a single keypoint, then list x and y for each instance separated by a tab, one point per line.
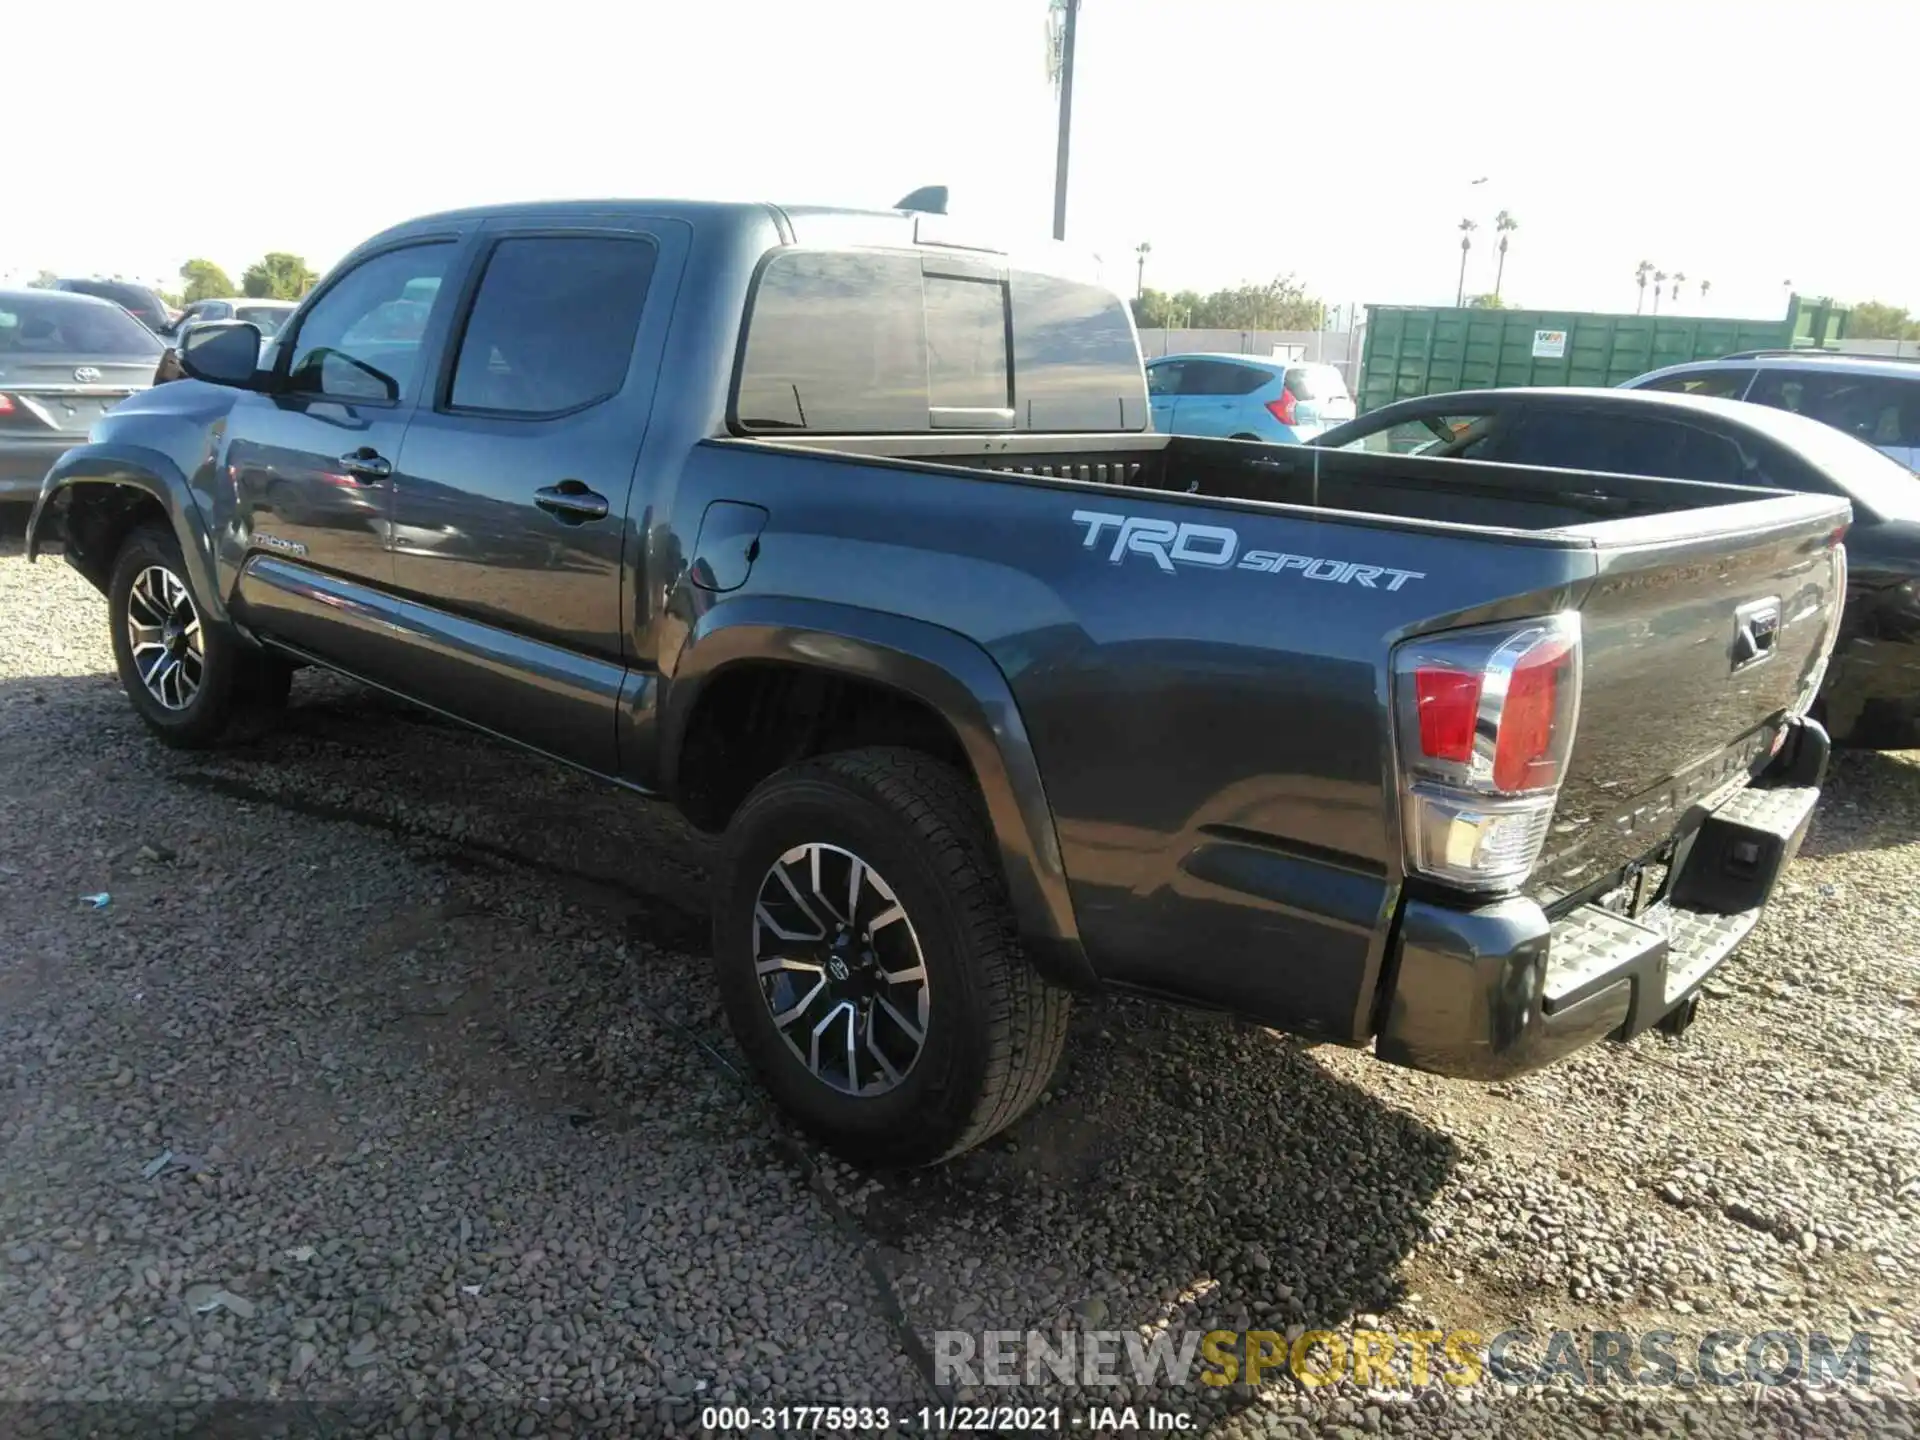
33	326
900	342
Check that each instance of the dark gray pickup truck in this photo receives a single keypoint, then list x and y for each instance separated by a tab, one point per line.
845	532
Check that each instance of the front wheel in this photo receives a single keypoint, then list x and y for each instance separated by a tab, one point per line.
187	677
867	959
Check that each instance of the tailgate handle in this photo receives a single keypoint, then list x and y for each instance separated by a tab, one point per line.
1756	632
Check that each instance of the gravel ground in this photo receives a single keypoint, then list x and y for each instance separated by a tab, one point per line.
389	1087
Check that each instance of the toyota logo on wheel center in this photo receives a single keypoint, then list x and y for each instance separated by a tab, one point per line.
87	375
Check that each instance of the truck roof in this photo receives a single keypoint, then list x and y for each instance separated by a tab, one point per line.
805	224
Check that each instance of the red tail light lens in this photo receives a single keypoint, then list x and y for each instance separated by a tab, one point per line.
1524	756
6	404
1282	409
1449	706
1484	723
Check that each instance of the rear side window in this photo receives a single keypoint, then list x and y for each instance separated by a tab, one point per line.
1220	377
1879	410
31	326
551	327
1316	382
1720	384
1590	440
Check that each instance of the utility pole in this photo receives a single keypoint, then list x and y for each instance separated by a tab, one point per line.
1141	251
1069	19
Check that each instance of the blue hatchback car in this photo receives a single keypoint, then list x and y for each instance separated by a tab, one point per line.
1246	397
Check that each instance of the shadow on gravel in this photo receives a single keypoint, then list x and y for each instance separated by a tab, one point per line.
1185	1170
1871	801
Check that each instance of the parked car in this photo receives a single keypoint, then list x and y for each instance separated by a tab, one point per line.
989	702
267	316
1872	693
137	300
1245	397
65	360
1874	398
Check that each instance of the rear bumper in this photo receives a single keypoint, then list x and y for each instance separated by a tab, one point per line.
1500	990
24	464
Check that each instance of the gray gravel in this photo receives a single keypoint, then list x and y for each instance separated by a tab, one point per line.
391	1077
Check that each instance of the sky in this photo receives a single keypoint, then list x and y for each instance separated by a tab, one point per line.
1745	144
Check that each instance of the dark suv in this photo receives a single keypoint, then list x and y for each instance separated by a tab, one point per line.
137	300
1874	398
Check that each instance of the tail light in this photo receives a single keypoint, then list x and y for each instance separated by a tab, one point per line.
1816	677
1484	723
6	404
1282	409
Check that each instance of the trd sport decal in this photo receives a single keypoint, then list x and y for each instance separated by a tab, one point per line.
1215	547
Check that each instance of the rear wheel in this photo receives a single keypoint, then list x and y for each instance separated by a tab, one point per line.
187	677
868	962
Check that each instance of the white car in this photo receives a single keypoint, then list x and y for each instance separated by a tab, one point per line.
268	315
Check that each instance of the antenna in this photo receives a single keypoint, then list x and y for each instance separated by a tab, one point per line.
928	199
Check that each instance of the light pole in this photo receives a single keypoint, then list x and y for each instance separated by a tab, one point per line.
1141	251
1069	11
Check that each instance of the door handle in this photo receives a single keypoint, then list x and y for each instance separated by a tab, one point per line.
365	464
571	503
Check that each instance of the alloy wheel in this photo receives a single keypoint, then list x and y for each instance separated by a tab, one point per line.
165	637
841	969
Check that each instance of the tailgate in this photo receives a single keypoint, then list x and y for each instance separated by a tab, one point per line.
1694	646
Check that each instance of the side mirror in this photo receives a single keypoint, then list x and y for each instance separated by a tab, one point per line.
221	352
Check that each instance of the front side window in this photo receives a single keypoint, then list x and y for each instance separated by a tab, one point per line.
1728	384
361	340
552	325
1460	435
1164	378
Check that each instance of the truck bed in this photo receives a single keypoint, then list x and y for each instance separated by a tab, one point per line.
1659	570
1358	484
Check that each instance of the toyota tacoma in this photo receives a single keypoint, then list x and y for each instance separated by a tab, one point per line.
847	533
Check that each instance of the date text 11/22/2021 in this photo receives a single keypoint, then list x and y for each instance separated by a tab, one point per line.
990	1419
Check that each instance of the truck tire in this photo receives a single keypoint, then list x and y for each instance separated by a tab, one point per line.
867	959
188	678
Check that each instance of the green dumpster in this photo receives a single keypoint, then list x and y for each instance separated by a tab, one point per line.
1415	350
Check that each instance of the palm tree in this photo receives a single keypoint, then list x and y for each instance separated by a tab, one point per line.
1659	279
1640	273
1467	227
1705	285
1679	279
1142	250
1505	224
